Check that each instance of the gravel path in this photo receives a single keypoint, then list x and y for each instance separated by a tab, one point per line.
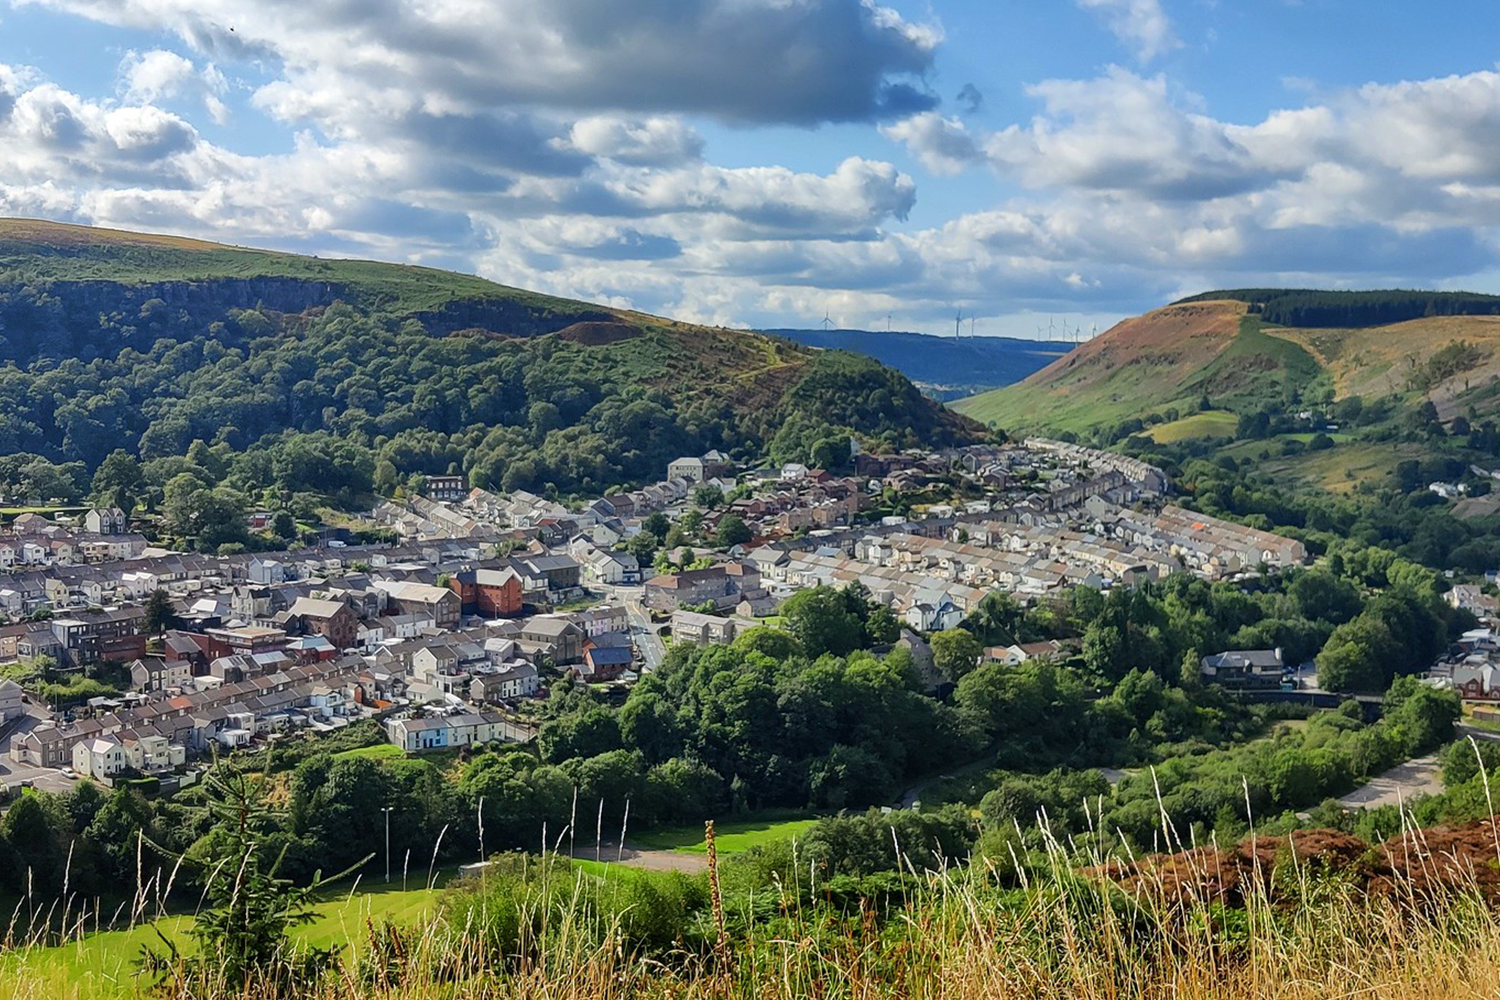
636	857
1422	776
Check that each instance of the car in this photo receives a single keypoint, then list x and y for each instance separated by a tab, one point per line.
69	773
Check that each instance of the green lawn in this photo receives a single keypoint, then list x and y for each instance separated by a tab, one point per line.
103	964
730	836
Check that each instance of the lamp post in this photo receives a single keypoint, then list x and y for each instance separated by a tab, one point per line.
387	811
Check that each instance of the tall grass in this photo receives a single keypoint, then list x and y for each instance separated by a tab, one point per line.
1265	920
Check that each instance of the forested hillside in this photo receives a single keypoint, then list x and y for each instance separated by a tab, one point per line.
151	357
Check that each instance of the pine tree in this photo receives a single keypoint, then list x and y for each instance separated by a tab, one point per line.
243	936
159	613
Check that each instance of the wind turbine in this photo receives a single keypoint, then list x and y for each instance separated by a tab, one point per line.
887	322
1051	331
827	323
958	324
971	327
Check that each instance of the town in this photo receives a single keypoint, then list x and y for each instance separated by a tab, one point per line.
139	662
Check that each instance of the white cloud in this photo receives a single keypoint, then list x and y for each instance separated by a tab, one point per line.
537	157
1123	132
157	75
151	76
1141	25
942	144
648	142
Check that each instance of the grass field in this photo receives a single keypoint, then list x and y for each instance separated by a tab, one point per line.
104	964
1341	469
730	836
1209	423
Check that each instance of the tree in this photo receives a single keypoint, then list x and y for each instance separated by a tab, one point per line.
643	547
243	934
116	833
387	478
118	481
585	733
160	615
955	652
821	621
657	525
1321	595
1361	655
882	627
284	525
31	835
732	530
708	496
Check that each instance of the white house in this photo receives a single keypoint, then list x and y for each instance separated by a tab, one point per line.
514	680
266	571
101	758
10	701
106	521
446	731
154	753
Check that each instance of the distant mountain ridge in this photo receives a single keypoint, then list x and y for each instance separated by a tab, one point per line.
947	367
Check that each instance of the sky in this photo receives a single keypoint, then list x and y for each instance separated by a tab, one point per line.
1031	165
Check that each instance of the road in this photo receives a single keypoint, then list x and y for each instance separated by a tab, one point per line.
647	642
48	779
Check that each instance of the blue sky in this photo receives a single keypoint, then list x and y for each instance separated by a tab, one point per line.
762	162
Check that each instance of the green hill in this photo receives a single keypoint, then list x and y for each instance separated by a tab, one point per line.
330	378
1253	350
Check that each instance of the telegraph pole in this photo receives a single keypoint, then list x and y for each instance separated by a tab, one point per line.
387	811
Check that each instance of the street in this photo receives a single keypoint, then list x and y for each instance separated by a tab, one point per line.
647	642
48	779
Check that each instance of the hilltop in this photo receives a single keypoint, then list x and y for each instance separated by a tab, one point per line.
945	367
379	372
1242	350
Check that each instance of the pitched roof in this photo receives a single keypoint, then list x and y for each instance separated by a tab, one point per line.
313	607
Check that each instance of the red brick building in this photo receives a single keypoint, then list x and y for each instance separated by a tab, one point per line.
493	593
334	620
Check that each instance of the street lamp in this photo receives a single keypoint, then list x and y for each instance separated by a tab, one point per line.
387	811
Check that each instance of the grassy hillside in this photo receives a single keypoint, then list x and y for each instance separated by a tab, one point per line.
1227	351
380	372
57	252
1315	916
1158	361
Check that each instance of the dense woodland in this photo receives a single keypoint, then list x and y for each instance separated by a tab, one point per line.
337	403
1307	307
